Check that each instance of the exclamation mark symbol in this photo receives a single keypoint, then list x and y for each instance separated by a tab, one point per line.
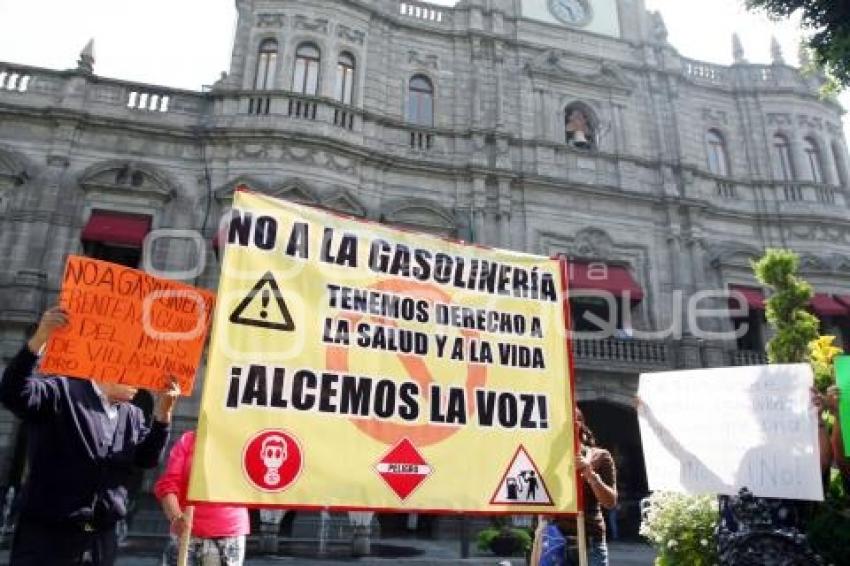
265	299
544	417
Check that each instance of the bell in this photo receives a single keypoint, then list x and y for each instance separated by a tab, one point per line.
580	140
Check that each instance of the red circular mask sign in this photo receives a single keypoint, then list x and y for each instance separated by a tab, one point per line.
272	460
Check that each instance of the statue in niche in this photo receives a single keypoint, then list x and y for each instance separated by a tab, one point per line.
578	129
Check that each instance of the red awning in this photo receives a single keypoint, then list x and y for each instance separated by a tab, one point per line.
599	276
825	305
844	300
753	296
116	228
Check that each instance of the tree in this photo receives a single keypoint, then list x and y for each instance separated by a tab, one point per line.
829	20
786	309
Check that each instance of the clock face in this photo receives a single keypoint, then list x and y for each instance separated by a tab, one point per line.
571	12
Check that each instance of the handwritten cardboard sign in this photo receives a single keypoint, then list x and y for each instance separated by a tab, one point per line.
126	326
718	430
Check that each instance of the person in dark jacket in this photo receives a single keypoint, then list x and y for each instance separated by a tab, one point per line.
85	440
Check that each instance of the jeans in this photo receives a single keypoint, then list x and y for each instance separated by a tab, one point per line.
597	551
228	551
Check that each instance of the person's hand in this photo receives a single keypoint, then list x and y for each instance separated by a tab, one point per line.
180	524
637	402
830	399
818	400
165	402
583	466
52	319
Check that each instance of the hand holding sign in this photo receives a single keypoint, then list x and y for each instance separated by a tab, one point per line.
52	319
165	402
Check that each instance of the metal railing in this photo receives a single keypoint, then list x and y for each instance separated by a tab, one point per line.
748	358
642	352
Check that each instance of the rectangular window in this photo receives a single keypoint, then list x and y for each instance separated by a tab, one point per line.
312	82
298	80
782	164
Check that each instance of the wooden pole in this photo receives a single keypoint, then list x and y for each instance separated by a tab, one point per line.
582	539
183	552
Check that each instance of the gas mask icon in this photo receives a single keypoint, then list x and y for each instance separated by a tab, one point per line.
273	453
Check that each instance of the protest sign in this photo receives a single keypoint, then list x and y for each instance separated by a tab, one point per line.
126	326
842	379
718	430
354	366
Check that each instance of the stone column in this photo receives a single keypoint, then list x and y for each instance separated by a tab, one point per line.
479	203
505	232
799	159
269	527
830	167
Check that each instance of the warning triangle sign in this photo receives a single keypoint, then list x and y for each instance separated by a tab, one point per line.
522	483
264	307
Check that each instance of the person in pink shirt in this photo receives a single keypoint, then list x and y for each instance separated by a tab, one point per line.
218	531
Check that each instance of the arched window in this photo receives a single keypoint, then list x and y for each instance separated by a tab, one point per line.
420	101
307	59
266	65
345	78
716	152
579	126
782	169
810	147
840	163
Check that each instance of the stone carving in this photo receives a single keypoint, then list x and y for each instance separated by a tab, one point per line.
319	158
658	29
428	61
85	64
592	243
421	214
776	52
253	151
819	233
552	63
737	50
349	34
128	177
320	25
268	20
810	262
713	115
813	122
296	190
344	202
779	119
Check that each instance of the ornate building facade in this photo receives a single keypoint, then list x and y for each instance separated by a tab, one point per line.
554	127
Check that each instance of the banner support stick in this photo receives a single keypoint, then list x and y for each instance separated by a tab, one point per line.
185	536
582	539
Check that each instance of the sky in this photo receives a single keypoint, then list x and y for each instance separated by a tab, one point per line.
187	43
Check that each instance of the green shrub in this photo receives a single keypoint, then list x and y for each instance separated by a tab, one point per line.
485	537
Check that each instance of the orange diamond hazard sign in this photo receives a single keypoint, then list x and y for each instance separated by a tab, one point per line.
403	468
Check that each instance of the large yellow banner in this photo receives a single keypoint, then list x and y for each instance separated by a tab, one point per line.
355	366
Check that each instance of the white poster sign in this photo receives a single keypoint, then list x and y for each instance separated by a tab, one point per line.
718	430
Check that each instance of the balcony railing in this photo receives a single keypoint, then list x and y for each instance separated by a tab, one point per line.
748	358
424	12
14	80
705	72
636	352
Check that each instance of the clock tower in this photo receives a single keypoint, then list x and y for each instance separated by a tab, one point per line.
596	16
